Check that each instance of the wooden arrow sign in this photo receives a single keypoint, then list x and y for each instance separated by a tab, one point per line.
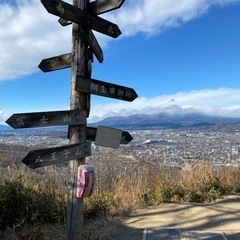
74	14
50	156
98	7
91	135
64	22
103	6
105	89
56	63
93	43
108	137
46	119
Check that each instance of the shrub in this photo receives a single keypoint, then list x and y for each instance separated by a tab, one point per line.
22	205
33	199
99	203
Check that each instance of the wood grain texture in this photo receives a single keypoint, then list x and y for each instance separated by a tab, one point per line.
106	89
82	17
50	156
56	63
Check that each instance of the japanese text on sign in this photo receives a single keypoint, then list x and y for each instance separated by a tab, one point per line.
103	89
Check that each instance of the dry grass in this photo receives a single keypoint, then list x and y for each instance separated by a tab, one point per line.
119	188
141	183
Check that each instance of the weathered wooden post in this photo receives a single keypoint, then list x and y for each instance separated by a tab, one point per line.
80	67
84	16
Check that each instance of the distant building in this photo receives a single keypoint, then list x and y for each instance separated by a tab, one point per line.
235	150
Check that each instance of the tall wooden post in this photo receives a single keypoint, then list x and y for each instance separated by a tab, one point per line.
83	15
80	67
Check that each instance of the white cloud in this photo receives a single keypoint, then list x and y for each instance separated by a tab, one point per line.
154	16
215	102
3	117
219	102
28	33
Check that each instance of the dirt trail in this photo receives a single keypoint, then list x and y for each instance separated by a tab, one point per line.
221	216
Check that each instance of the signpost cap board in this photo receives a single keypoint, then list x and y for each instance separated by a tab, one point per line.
108	137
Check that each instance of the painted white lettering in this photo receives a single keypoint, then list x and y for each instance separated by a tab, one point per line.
66	153
110	29
60	8
128	94
120	92
38	160
44	120
53	156
112	90
67	118
20	121
78	152
94	87
103	89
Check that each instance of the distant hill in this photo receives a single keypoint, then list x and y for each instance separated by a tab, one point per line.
4	128
144	121
168	121
57	131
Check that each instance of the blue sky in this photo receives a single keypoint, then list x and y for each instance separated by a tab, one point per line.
179	57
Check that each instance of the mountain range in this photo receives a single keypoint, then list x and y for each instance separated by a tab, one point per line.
168	121
163	120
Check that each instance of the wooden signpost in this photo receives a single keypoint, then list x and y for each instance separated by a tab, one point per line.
46	119
105	89
92	132
83	15
98	7
80	64
93	43
51	156
108	137
56	63
103	6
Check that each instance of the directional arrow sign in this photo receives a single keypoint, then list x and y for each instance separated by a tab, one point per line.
92	132
102	6
56	63
50	156
92	41
64	22
108	137
105	89
46	119
74	14
98	7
